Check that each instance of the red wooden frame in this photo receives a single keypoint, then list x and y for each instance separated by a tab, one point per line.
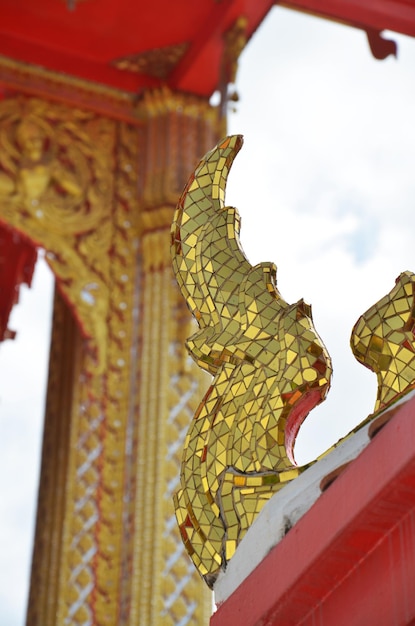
351	558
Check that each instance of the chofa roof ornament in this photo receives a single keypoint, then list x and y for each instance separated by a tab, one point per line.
269	365
383	339
269	368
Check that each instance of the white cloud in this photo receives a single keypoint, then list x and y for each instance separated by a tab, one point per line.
325	185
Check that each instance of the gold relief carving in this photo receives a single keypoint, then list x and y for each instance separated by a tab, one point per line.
94	542
156	218
34	80
56	179
383	339
176	131
155	250
158	62
80	543
270	369
118	557
161	101
119	392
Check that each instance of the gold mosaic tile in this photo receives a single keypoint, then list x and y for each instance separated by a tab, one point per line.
268	364
383	339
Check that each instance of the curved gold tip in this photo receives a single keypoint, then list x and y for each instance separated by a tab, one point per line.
202	203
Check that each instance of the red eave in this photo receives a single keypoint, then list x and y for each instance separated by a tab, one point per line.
87	41
351	558
395	15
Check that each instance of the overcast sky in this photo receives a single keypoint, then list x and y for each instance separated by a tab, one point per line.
325	187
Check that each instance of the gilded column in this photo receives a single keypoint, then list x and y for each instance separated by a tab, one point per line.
98	193
176	131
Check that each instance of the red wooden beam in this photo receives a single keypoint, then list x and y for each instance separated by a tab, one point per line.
395	15
87	41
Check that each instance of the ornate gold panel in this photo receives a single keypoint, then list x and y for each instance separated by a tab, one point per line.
96	194
55	189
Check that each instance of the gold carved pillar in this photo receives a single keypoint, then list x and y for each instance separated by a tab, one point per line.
170	594
98	195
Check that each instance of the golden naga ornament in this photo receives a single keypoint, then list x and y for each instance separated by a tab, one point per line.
383	339
270	369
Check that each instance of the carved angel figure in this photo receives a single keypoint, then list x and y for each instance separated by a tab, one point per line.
269	370
49	169
57	173
38	167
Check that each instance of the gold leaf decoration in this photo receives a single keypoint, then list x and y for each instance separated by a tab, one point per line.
270	369
55	189
383	339
158	62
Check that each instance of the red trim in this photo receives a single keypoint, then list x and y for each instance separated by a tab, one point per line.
351	558
396	15
86	41
17	262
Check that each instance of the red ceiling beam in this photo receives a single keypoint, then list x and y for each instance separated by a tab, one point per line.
395	15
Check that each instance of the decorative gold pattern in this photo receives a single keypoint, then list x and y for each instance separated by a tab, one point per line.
270	369
55	189
186	384
158	62
383	339
106	551
98	408
34	80
177	130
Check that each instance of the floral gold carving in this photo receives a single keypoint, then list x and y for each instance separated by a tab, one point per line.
30	79
55	189
116	556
